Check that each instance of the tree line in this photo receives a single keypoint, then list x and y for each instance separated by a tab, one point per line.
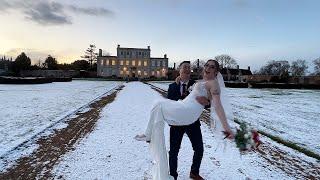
277	68
23	62
284	68
89	63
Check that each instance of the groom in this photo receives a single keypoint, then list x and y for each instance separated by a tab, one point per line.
176	92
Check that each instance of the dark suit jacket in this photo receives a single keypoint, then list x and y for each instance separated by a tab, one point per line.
174	90
175	94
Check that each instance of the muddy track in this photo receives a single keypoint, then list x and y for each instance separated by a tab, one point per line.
39	164
292	165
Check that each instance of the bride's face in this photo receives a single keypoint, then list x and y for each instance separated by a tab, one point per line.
210	70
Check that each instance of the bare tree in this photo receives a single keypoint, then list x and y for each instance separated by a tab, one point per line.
197	65
316	63
299	67
277	68
90	54
226	61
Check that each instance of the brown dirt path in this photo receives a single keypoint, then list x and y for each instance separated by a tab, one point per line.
294	166
38	165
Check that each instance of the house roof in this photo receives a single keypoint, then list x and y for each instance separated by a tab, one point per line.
158	58
125	48
109	56
236	71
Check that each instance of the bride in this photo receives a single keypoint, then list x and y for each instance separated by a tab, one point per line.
186	112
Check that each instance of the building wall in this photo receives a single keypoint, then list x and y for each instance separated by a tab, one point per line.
159	67
107	66
132	62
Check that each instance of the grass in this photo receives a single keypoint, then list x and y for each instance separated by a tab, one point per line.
287	143
279	140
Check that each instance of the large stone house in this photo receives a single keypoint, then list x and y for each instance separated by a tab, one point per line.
132	63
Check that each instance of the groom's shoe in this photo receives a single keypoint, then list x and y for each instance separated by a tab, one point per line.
195	177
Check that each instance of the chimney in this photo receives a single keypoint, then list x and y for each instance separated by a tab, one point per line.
100	52
249	68
118	45
198	63
149	47
238	67
174	65
165	56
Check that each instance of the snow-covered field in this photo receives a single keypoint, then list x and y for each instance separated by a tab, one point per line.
291	114
111	152
26	110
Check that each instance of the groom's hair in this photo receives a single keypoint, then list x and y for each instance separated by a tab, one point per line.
183	63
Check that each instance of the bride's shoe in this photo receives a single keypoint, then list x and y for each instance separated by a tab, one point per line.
141	137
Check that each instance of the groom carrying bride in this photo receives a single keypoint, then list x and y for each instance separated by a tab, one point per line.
178	91
183	115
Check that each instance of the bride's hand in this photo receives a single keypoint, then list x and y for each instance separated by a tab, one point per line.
228	134
178	79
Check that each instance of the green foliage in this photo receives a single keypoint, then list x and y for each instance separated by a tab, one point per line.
90	54
240	138
51	63
22	62
81	65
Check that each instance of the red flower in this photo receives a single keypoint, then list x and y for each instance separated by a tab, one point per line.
255	136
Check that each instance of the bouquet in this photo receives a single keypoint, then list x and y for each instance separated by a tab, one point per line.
246	138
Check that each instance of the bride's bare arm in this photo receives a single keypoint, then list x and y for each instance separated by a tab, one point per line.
215	95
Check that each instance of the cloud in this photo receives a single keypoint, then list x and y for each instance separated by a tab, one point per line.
47	12
4	5
91	11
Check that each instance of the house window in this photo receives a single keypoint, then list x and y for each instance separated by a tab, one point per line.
121	63
127	72
153	63
152	73
121	52
159	63
145	63
139	53
158	73
127	53
139	63
127	63
163	72
113	62
106	62
145	73
121	72
133	63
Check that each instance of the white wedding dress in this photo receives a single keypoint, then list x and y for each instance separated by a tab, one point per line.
178	113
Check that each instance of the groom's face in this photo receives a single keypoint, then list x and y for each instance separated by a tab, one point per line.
185	71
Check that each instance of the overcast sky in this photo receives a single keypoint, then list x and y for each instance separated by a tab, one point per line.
251	31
